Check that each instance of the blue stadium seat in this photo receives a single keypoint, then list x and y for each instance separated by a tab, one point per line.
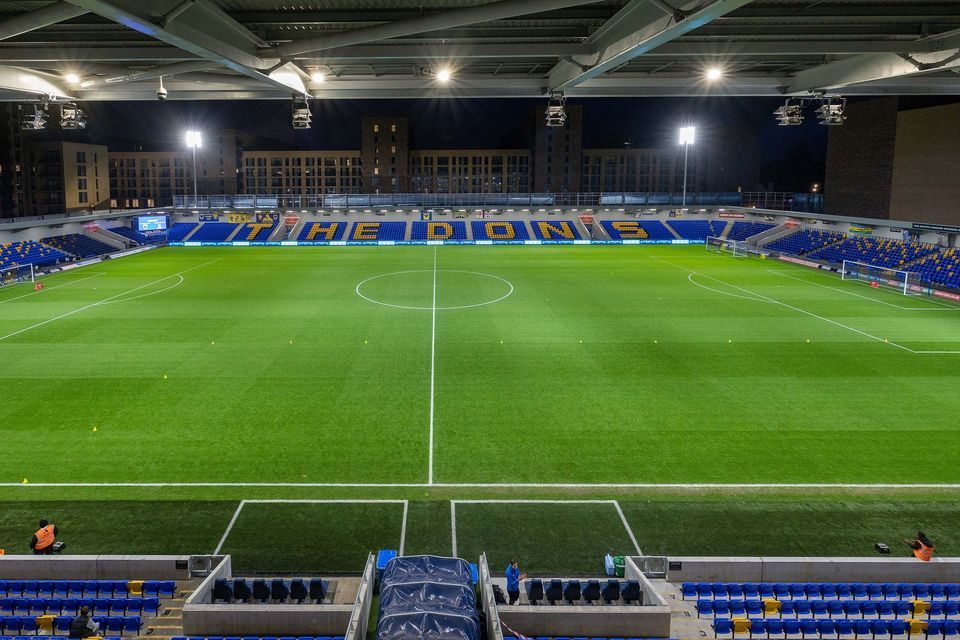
222	590
722	626
630	592
591	591
534	590
318	589
611	591
554	591
758	626
688	590
298	590
572	591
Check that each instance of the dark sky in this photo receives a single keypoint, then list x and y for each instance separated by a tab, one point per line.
476	123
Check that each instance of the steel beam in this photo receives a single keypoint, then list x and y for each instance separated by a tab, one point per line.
500	10
637	28
27	84
202	29
856	70
39	18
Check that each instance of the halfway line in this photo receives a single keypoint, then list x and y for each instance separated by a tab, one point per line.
433	359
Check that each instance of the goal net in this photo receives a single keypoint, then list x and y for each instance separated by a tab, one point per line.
16	274
878	276
736	248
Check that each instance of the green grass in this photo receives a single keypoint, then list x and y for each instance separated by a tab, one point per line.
603	365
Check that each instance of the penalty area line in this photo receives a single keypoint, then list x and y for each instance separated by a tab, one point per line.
485	485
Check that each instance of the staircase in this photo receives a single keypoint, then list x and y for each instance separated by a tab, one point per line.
772	235
676	235
169	621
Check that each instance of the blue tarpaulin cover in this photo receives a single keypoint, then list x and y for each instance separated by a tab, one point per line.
428	597
427	626
407	569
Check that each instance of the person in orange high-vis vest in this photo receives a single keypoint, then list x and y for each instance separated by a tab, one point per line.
43	539
922	547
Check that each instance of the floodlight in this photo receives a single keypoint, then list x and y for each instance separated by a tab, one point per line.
72	78
318	76
33	117
301	113
714	74
556	114
72	116
687	135
790	114
443	75
831	112
193	139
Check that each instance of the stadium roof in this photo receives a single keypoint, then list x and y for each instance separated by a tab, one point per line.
254	49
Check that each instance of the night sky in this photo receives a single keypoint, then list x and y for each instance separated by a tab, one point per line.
791	158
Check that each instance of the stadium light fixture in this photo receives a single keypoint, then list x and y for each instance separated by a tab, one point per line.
714	74
687	137
301	115
444	75
556	114
318	77
832	111
194	139
72	116
33	117
72	78
790	114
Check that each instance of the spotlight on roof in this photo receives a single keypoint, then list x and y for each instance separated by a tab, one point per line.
193	139
831	112
556	115
790	114
301	113
72	116
33	117
714	74
72	78
687	135
318	77
443	75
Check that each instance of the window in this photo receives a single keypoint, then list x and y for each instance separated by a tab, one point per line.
376	128
393	128
81	157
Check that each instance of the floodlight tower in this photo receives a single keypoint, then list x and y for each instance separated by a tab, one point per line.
193	141
687	135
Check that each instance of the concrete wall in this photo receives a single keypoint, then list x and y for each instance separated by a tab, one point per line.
68	567
360	617
487	602
200	617
774	569
598	620
926	165
860	160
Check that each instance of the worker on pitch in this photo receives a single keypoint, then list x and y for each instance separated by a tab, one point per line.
922	547
43	540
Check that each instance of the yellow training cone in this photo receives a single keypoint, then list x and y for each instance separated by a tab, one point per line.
25	481
164	376
94	429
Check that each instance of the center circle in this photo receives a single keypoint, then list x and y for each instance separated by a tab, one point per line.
453	288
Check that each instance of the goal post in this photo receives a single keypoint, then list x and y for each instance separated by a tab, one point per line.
878	276
17	274
736	248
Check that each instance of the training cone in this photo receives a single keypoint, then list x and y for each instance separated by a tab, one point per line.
25	481
164	376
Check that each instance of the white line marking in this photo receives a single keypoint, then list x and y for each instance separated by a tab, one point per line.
430	308
870	298
626	525
100	302
65	284
614	503
233	521
243	503
403	528
804	311
453	527
433	361
493	485
151	293
726	293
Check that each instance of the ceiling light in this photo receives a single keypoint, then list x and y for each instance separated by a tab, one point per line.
714	74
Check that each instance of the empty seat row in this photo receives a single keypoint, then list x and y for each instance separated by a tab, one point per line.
837	628
831	608
106	606
111	624
821	590
108	624
575	638
297	590
64	588
590	592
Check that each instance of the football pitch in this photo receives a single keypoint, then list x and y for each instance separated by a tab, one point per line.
447	399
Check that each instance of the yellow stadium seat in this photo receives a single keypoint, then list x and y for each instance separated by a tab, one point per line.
920	607
741	625
135	587
771	605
